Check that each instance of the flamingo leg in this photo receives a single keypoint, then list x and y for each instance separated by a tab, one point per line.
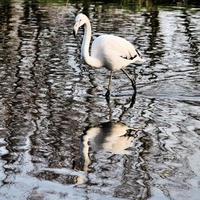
133	85
109	87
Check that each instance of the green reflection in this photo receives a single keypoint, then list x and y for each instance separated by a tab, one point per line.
149	5
122	2
144	3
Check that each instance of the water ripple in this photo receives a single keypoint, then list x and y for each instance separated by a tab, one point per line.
59	139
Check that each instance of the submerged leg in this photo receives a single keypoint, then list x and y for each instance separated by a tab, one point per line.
133	85
109	87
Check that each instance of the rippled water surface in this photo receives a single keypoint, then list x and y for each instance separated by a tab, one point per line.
59	139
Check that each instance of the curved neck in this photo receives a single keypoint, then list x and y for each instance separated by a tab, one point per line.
85	47
86	40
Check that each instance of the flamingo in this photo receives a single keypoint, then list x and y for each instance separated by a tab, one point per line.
109	51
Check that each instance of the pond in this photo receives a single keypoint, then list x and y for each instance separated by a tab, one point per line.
60	139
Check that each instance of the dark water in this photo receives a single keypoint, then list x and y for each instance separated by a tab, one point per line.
59	139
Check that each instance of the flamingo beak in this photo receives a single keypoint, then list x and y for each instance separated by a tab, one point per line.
74	33
75	30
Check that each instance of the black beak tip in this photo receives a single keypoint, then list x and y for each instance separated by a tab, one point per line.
74	33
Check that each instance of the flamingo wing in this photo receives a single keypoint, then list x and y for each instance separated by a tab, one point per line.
115	52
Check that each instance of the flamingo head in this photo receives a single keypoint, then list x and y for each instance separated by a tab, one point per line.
80	20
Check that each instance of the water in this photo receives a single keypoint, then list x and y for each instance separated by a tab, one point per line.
59	139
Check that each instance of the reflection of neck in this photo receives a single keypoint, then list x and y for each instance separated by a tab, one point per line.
92	61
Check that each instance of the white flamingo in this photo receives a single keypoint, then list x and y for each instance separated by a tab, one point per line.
109	51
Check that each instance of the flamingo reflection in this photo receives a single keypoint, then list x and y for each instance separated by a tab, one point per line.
108	137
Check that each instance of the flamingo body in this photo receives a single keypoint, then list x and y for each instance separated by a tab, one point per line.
113	52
